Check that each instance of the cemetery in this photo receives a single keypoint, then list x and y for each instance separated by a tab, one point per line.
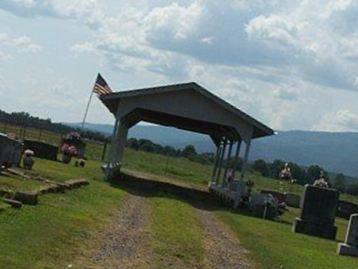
12	151
230	140
252	206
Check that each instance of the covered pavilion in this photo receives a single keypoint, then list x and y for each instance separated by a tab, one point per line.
190	107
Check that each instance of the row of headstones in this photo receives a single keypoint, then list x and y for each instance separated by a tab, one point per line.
317	218
18	198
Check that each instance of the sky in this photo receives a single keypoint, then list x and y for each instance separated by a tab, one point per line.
291	64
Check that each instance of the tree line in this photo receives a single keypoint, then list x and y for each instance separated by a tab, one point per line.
25	120
305	175
301	174
187	152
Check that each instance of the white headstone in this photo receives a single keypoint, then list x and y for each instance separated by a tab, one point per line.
350	246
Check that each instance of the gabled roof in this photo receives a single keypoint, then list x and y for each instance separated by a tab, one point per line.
260	129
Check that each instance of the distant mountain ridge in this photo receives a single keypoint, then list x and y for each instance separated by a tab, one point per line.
335	151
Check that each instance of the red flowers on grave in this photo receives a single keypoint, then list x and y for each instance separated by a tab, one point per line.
69	150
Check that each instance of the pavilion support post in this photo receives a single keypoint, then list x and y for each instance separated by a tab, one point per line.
112	152
113	143
119	139
221	161
227	163
246	158
216	161
237	153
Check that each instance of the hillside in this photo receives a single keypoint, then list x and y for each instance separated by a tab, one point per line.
337	152
164	220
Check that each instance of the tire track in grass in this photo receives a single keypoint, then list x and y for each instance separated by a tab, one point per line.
126	242
222	249
176	234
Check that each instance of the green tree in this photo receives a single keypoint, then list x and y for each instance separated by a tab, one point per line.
133	143
340	182
188	151
232	163
352	189
262	167
276	167
298	173
313	173
169	151
146	145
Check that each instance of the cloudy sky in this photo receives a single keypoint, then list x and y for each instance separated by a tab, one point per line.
292	64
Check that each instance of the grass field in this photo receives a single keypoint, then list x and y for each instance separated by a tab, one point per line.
272	244
46	235
52	234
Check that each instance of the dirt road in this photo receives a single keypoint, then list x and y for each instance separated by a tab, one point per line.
127	242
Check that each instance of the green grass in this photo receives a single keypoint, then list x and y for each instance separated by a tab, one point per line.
274	245
271	244
15	183
51	170
50	234
176	168
185	170
176	233
58	171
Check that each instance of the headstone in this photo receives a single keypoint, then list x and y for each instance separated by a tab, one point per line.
264	205
76	183
350	246
293	200
318	211
346	209
42	150
27	197
14	203
10	151
281	197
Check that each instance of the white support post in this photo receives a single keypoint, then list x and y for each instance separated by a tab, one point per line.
227	161
216	161
113	144
236	157
221	161
108	169
121	141
246	157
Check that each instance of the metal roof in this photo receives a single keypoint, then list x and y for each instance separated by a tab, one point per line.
260	129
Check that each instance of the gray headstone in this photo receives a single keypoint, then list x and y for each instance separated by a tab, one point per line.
293	200
350	246
318	211
346	209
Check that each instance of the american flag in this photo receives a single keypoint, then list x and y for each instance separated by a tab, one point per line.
101	87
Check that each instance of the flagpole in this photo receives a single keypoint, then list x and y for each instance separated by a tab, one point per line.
86	112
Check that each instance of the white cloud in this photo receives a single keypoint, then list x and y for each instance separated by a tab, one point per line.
174	20
281	61
85	47
22	43
88	10
342	120
273	28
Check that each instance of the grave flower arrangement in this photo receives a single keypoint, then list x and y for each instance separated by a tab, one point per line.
72	146
68	152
